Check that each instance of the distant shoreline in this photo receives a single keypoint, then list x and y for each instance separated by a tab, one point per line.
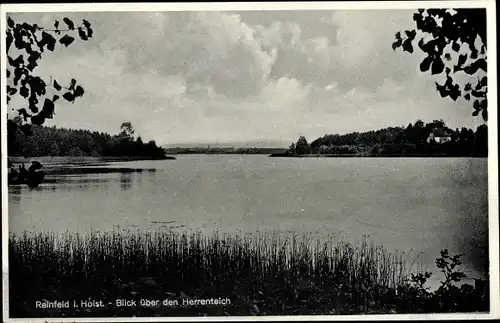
281	155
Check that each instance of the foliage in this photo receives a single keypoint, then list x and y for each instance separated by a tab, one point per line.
52	141
446	35
451	296
262	274
412	140
30	43
302	146
127	131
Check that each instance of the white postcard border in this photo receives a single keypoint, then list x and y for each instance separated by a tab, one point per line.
366	5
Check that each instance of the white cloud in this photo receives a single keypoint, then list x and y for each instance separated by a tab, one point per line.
183	76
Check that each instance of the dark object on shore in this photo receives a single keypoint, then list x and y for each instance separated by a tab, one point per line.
31	177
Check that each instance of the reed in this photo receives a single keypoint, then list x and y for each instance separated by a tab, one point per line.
262	273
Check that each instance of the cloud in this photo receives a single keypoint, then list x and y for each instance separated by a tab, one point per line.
190	76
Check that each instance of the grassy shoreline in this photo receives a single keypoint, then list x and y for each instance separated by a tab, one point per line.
266	274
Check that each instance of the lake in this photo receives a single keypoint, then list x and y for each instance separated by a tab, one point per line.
417	205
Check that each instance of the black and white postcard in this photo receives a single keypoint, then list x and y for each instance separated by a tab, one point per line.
243	161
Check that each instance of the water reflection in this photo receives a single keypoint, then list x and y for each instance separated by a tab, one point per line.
15	193
78	178
125	181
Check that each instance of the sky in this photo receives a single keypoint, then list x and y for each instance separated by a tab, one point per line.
211	76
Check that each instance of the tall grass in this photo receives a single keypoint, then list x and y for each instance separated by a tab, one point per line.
263	273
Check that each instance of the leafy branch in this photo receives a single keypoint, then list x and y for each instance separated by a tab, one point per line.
448	33
30	42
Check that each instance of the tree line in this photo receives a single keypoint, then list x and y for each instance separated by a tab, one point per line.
418	139
52	141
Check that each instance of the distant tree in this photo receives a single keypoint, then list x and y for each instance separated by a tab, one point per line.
292	150
302	147
446	33
481	141
127	131
30	42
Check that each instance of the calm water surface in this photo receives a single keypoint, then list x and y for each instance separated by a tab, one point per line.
417	204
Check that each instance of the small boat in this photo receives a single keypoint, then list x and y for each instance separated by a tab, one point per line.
32	177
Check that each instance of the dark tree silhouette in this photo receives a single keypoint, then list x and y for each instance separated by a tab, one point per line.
29	42
302	147
127	131
456	36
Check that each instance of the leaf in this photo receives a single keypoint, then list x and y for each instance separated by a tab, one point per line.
447	56
37	85
398	35
467	97
57	86
441	89
396	44
407	46
10	22
55	98
462	59
56	24
468	87
475	113
82	34
79	91
24	92
437	66
89	30
33	108
9	40
32	59
454	93
484	81
475	66
16	62
24	113
473	54
455	46
37	120
72	84
476	105
47	40
48	109
86	23
421	10
426	64
69	23
11	90
485	114
66	40
68	96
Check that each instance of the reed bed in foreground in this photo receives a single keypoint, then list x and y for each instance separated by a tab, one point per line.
262	274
